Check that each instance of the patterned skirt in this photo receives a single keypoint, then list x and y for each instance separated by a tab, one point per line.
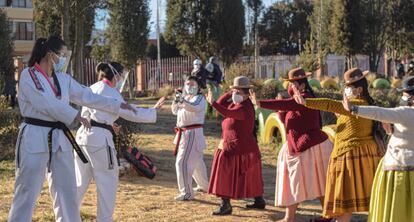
349	181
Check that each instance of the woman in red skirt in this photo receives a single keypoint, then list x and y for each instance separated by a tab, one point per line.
237	169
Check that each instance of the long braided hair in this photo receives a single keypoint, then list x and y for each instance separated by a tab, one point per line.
309	89
378	131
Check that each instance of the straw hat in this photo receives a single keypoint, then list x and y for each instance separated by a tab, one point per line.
354	75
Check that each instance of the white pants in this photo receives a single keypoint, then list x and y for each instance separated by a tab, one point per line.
190	162
105	173
30	175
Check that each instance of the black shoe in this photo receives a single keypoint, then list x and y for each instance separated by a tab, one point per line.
258	204
223	210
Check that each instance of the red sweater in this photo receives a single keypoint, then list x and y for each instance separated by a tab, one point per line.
237	126
302	124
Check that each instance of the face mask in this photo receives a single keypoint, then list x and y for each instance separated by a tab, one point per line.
349	92
236	98
405	101
196	67
191	90
58	67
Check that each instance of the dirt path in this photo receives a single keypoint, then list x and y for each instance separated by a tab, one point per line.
140	199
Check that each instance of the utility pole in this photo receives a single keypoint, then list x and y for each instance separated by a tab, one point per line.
158	43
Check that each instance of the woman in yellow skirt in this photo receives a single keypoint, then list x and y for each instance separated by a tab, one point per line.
355	155
392	197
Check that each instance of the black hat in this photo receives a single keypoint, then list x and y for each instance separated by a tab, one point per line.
407	85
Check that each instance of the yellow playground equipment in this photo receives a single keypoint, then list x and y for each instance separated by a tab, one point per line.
268	125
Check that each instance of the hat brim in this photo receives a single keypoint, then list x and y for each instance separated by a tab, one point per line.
241	87
400	89
350	82
299	77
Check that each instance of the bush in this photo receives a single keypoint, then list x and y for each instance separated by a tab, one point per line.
238	69
165	91
9	129
381	83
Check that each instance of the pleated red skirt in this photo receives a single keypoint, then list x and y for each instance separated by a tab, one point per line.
236	176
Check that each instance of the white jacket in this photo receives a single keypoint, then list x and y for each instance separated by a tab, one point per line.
37	100
97	138
400	150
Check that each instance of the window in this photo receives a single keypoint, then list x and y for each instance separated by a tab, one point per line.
22	30
21	3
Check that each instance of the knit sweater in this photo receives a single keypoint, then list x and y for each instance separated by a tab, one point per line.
400	150
300	136
352	132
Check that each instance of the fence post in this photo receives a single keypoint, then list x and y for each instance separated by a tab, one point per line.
140	72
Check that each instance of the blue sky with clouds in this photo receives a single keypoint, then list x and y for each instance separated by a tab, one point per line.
102	15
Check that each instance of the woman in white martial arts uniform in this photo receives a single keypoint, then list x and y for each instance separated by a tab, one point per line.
44	145
190	143
98	142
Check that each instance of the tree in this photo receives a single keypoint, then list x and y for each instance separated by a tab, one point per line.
377	19
347	29
228	29
129	30
189	26
319	22
167	50
284	27
7	68
256	7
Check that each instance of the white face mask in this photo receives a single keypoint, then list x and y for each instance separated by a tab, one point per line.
60	65
349	92
236	98
191	90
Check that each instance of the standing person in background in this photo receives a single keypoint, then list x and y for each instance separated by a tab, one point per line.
236	171
355	156
10	92
392	198
217	73
200	72
44	145
303	159
99	142
189	140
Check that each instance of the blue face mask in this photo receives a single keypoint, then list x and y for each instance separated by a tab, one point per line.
58	67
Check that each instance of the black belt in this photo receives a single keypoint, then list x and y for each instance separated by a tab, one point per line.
56	125
115	138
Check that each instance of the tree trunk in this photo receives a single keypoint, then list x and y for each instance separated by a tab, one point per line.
78	47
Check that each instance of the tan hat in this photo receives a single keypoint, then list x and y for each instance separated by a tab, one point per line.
354	75
296	74
241	82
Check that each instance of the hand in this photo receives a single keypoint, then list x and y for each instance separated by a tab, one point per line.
389	129
253	98
83	121
279	96
128	106
116	128
159	103
346	103
297	96
209	96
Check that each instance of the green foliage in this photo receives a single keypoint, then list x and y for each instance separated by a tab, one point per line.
381	83
308	58
238	69
9	129
167	50
7	68
129	30
283	25
204	28
100	52
347	27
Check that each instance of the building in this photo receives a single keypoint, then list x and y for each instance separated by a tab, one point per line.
20	14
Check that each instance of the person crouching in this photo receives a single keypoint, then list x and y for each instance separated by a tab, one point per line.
189	140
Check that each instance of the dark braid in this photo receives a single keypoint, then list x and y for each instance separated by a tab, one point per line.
309	89
365	94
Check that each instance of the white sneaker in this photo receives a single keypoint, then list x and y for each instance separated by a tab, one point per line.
184	197
199	189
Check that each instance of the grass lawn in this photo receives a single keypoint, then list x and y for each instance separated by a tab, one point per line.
141	199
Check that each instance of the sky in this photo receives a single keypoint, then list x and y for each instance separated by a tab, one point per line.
102	16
